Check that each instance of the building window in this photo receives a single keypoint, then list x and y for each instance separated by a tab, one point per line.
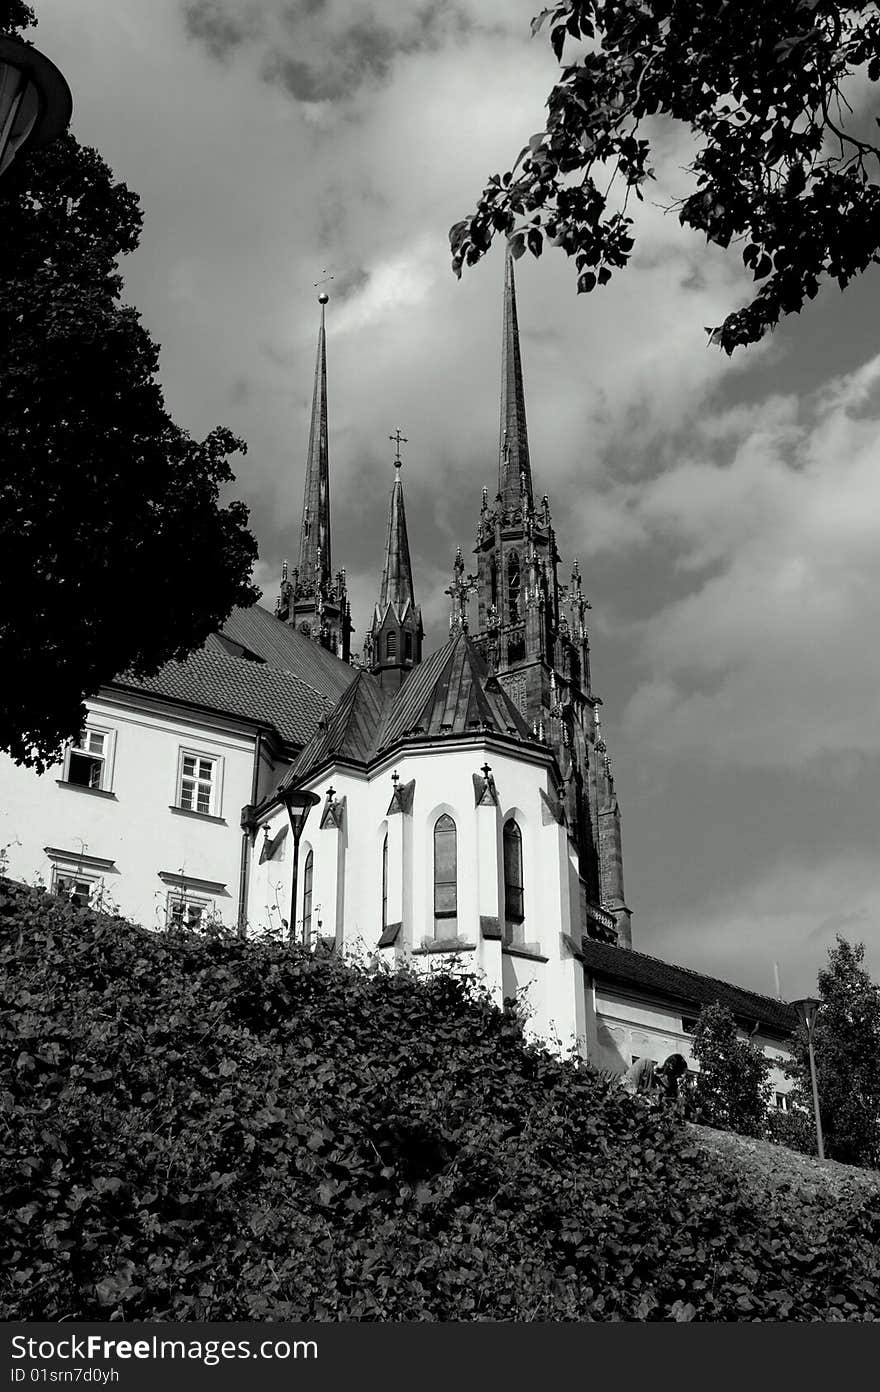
781	1102
74	887
407	646
513	880
445	879
87	764
184	912
197	783
688	1024
513	588
385	882
391	645
308	877
493	581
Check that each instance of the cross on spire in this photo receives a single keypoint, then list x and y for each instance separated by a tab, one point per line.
397	440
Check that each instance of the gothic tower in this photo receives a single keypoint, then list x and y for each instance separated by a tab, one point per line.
312	598
394	642
532	632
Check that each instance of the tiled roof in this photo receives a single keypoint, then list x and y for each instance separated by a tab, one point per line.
621	964
239	687
285	648
451	693
350	733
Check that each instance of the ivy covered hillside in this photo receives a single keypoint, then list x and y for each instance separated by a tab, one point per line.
202	1128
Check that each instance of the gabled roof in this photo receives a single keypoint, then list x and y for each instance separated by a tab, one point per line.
451	693
288	650
214	681
627	968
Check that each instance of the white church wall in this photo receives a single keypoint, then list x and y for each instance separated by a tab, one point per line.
443	786
124	836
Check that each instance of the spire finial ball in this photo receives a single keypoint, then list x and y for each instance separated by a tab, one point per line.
323	299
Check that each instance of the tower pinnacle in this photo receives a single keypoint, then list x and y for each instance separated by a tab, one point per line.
394	642
314	551
514	468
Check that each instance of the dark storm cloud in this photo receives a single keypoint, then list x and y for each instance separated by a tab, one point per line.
220	26
317	51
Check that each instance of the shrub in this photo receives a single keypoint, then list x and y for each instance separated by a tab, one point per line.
207	1129
731	1090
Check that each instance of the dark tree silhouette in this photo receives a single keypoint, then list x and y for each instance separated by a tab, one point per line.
115	551
783	164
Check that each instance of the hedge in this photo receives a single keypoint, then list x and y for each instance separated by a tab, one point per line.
199	1128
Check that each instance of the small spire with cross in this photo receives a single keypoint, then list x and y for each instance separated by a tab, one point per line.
397	440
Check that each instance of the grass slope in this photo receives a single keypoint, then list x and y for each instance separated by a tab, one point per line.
207	1129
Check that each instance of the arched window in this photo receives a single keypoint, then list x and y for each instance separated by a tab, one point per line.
512	587
513	880
445	879
493	580
391	645
385	882
308	873
407	646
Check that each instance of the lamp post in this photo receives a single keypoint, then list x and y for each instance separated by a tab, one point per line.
299	804
35	101
807	1010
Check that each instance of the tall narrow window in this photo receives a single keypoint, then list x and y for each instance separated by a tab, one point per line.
385	882
513	881
391	645
493	580
407	646
308	872
445	879
197	784
513	588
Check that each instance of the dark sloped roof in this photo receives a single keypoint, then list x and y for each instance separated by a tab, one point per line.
238	687
288	650
451	693
621	964
350	733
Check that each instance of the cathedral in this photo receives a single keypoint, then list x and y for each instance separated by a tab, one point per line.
452	810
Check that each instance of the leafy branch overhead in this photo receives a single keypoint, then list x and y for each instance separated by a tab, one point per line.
786	163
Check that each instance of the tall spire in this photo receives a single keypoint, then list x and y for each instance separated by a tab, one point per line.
314	551
313	599
514	468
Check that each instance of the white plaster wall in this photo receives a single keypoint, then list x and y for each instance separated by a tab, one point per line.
443	784
135	828
627	1025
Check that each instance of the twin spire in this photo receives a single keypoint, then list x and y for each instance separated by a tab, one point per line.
314	549
514	466
314	599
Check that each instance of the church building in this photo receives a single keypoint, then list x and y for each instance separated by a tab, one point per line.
450	810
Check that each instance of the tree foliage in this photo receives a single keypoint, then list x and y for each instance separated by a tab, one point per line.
205	1128
115	551
732	1090
784	165
846	1046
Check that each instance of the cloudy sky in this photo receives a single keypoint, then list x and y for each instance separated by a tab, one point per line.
726	514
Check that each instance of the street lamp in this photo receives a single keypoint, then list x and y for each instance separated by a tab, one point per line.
807	1010
299	804
35	101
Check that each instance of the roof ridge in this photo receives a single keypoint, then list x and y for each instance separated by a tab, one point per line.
689	971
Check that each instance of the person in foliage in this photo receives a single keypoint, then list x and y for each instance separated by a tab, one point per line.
645	1078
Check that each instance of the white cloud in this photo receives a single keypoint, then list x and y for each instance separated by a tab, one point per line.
771	658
